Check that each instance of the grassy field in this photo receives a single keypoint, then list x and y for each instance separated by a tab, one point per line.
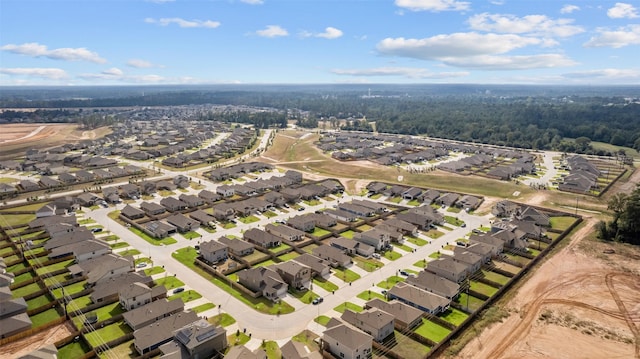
390	282
325	284
203	307
222	319
368	264
561	223
108	333
483	288
169	282
44	317
322	320
454	316
346	275
473	302
186	296
370	294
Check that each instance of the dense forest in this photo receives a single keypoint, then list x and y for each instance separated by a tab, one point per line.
625	225
518	116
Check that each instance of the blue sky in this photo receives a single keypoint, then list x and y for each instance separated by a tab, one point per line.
119	42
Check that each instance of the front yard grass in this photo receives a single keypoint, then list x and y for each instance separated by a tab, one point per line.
346	275
186	296
203	307
119	245
390	282
404	247
391	255
238	338
325	284
368	264
453	221
370	294
348	305
129	252
248	219
417	241
222	319
154	270
322	320
305	296
169	282
434	234
151	240
191	235
421	263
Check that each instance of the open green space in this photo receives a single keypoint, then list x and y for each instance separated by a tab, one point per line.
107	333
43	318
433	331
346	275
453	316
156	242
222	319
348	305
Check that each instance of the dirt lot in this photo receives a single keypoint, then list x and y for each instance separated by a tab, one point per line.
29	344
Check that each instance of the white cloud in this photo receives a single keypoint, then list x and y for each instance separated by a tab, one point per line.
114	71
141	64
253	2
568	9
497	2
622	11
34	49
409	72
210	24
160	1
433	5
523	62
611	74
272	31
454	45
530	24
623	36
330	33
46	73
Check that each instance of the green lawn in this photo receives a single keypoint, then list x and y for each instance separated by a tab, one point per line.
27	289
421	263
169	282
222	319
305	296
454	209
322	320
561	223
54	267
453	221
495	277
154	270
103	313
319	232
434	234
79	303
348	234
74	350
203	307
38	301
118	245
346	275
272	349
473	302
404	247
151	240
187	296
269	214
417	241
238	339
454	316
371	294
248	219
190	235
16	220
55	280
483	288
108	333
280	248
325	284
368	264
433	331
23	277
288	256
348	305
130	252
408	347
391	255
44	317
390	282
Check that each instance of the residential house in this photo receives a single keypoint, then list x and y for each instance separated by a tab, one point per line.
173	204
264	281
405	316
142	316
137	294
345	341
87	199
468	202
204	218
183	223
57	219
296	275
302	223
412	193
496	244
323	221
472	260
435	284
237	248
505	209
261	238
376	238
447	268
352	247
285	232
533	215
102	268
319	267
421	221
152	208
400	226
373	321
106	290
209	197
376	187
130	190
192	201
181	181
419	298
159	229
82	251
341	215
72	235
158	333
28	185
132	212
429	212
214	252
48	182
298	350
485	251
223	211
13	317
196	340
358	210
226	190
242	352
334	256
67	178
447	199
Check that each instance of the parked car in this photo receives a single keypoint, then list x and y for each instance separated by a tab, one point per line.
318	301
141	265
178	290
404	273
376	255
300	209
96	230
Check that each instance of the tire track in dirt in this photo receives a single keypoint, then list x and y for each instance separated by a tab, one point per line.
533	308
627	316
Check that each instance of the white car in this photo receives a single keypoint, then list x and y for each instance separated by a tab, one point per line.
141	265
